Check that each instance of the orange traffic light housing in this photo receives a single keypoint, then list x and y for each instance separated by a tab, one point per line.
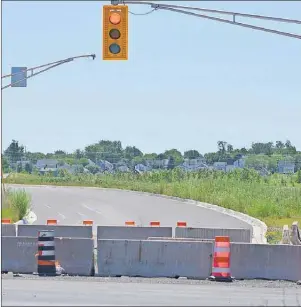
115	32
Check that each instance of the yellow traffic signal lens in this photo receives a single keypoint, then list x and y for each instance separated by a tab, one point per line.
114	33
114	48
115	18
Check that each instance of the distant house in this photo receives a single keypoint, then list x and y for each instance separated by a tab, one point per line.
47	163
140	168
91	163
240	163
161	164
47	166
286	167
122	168
221	166
193	164
105	166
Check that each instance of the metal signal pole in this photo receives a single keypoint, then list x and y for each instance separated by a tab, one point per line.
187	11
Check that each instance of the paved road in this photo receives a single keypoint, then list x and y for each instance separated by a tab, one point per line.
71	205
105	292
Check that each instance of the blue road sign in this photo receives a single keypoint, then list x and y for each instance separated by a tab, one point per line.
19	76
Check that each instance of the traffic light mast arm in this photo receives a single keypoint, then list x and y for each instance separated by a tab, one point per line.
50	66
181	9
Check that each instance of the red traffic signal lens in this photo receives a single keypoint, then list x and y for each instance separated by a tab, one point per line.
115	18
114	33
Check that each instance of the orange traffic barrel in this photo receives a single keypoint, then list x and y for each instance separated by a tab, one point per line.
181	224
6	221
130	223
46	253
51	222
87	222
154	223
221	259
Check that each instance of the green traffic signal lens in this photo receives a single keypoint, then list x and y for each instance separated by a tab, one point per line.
114	33
114	48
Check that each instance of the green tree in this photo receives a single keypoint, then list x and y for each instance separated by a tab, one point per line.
191	154
229	148
93	169
60	152
5	164
78	169
79	154
14	152
161	156
221	146
280	145
19	168
176	156
28	168
297	161
35	156
262	148
104	150
131	152
150	156
299	176
171	163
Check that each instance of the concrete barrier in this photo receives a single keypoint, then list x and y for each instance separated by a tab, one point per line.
75	255
264	261
59	231
179	239
235	234
154	258
295	234
286	236
8	230
18	255
132	233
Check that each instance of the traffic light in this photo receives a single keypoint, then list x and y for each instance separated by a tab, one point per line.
115	32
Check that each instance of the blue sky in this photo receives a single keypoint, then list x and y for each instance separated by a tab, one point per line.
188	83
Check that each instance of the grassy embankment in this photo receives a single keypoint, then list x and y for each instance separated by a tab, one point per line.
275	199
15	204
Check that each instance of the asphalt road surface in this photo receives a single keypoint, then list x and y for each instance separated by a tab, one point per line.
71	205
35	291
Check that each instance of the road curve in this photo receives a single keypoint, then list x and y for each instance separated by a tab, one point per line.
71	205
35	291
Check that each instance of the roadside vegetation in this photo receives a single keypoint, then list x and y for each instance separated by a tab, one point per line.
15	204
257	186
274	199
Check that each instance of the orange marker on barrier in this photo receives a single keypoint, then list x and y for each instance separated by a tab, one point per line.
181	224
154	223
221	260
6	221
130	223
88	222
51	222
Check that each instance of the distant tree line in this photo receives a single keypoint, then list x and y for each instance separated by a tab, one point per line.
113	151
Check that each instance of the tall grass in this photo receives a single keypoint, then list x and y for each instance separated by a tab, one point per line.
15	204
241	190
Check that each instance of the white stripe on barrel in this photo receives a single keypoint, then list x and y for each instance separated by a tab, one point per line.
46	253
222	249
46	243
220	270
